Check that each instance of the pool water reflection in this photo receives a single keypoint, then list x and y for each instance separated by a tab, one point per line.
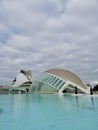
48	112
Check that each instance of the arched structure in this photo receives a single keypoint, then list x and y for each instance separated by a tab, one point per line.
58	80
22	81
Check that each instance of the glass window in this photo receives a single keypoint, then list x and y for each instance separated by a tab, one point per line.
45	78
52	80
61	84
49	77
39	87
56	84
55	81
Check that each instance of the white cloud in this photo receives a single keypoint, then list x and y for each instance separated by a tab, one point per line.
41	34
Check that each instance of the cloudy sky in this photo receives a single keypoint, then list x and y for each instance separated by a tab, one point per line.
38	35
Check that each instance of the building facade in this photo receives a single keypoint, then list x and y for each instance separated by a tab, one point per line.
58	81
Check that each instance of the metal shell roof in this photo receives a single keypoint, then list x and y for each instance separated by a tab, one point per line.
67	76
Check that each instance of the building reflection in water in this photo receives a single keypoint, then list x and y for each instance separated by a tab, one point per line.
88	103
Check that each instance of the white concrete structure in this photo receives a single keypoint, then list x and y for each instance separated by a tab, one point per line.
22	81
59	80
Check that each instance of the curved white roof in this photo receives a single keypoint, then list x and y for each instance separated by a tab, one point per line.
67	76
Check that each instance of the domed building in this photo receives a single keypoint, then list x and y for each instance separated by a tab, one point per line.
58	81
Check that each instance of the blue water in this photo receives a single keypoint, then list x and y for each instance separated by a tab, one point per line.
48	112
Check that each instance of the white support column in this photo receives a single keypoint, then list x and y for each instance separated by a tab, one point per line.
65	85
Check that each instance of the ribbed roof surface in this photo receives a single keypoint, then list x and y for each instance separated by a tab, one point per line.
67	76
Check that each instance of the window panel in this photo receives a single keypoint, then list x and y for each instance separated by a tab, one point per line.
55	81
62	83
56	84
52	80
45	78
48	79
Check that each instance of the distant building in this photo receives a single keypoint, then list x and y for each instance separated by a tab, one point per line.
58	81
22	79
22	82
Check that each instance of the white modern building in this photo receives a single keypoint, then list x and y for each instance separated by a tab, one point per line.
58	81
22	81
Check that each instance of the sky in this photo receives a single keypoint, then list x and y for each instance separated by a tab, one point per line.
38	35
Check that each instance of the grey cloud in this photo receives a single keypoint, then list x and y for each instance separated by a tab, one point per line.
40	35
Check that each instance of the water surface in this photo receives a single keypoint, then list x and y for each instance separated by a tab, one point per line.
48	112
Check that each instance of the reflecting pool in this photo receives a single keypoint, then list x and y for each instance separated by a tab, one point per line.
48	112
